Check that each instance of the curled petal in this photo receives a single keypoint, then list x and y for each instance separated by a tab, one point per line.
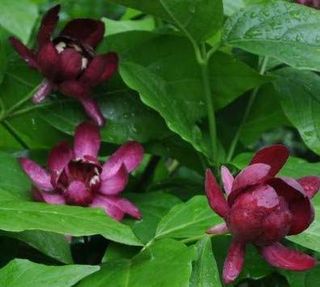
310	185
109	207
116	183
24	52
48	197
298	203
70	64
93	111
252	175
234	262
129	154
218	229
48	24
39	176
275	156
215	196
44	90
86	31
282	257
227	179
86	140
100	69
48	61
73	88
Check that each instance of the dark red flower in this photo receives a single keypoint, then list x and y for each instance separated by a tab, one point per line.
68	62
262	209
311	3
76	177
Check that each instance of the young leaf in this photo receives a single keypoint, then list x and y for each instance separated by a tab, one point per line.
24	273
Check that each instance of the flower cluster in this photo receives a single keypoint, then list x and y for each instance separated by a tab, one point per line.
311	3
262	209
68	61
76	176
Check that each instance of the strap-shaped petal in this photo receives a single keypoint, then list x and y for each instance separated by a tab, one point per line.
310	185
227	179
93	110
48	61
24	52
116	183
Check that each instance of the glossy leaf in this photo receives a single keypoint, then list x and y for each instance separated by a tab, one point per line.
24	273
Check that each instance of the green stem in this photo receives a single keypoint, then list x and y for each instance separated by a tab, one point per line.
210	105
251	101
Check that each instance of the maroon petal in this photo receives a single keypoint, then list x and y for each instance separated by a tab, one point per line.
310	185
298	203
44	90
252	175
93	111
215	196
70	64
130	154
128	207
234	262
116	183
109	207
100	69
86	31
39	176
282	257
78	194
227	179
24	52
50	198
218	229
48	61
274	156
48	24
59	158
73	88
86	141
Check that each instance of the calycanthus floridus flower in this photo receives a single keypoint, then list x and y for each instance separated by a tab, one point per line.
68	62
76	177
262	209
311	3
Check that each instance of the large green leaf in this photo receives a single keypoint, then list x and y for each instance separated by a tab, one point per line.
232	6
166	263
188	220
299	97
286	31
198	18
18	17
24	273
205	272
310	278
63	219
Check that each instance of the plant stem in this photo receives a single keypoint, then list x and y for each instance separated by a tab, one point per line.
210	106
251	101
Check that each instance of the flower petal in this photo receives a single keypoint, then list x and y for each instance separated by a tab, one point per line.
39	176
128	207
59	158
298	203
48	61
116	183
78	194
93	111
86	141
86	31
100	69
215	196
70	64
252	175
275	156
50	198
44	90
227	179
24	52
109	207
234	262
48	24
73	88
282	257
218	229
130	154
310	185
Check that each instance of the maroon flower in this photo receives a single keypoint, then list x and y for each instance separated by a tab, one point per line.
311	3
76	176
262	209
68	62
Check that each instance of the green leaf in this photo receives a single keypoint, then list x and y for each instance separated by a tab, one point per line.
51	244
18	17
299	97
286	31
232	6
63	219
205	271
198	18
303	279
24	273
166	263
153	207
188	220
